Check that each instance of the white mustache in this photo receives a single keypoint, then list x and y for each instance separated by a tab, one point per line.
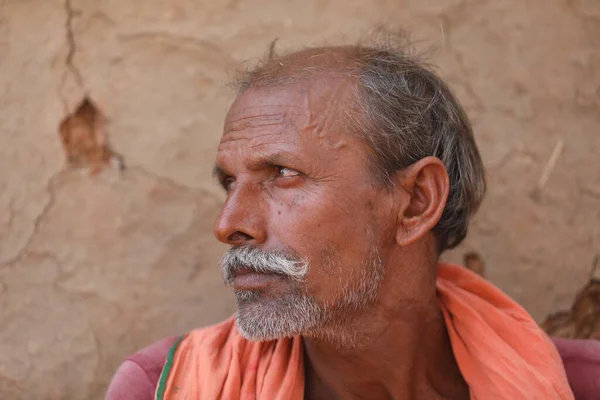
261	261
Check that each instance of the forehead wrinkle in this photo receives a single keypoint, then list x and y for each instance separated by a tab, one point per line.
254	122
254	146
265	140
258	116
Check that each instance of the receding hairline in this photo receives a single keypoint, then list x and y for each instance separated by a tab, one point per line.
343	61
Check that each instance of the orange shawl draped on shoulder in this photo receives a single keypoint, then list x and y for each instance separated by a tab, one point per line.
500	350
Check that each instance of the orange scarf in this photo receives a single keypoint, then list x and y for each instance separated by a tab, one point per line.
500	350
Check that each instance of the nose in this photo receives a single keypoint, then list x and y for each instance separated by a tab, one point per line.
241	220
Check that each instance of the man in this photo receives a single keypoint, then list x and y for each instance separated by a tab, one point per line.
348	171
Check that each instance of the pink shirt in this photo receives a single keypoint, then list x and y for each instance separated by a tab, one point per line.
137	377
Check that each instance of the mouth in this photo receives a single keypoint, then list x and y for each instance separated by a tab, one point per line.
247	279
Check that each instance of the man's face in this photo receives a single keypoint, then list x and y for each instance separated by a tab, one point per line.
306	221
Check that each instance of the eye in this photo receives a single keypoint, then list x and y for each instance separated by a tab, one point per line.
227	183
284	172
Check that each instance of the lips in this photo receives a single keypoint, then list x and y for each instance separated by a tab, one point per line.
245	278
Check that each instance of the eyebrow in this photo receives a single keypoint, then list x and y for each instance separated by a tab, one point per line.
275	159
218	172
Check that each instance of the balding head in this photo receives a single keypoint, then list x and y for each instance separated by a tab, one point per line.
338	61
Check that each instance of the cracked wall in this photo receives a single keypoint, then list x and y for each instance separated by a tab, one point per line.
93	267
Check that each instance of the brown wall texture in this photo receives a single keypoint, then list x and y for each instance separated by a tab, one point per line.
93	267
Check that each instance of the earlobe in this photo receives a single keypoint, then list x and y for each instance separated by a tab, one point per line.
427	185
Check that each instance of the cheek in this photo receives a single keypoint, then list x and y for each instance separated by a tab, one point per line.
311	219
332	233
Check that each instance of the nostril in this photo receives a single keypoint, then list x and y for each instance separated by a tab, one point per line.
239	237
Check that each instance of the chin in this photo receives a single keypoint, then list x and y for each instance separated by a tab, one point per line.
263	319
255	332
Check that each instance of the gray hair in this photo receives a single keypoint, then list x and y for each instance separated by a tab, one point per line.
262	261
404	111
297	312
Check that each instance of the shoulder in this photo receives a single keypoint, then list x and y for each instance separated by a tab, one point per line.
581	359
137	376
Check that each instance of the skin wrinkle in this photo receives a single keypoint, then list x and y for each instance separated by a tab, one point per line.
337	90
258	141
259	130
258	121
250	122
367	308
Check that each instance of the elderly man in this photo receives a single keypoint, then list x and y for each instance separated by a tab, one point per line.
348	171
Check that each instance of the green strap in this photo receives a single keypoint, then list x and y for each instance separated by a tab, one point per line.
162	383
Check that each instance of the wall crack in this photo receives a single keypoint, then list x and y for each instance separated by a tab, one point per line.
201	192
71	13
50	190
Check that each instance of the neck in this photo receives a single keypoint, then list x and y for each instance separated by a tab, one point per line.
401	351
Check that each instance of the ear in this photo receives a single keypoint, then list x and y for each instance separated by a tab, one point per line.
427	185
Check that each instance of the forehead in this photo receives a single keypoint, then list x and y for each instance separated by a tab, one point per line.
304	121
320	102
256	109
